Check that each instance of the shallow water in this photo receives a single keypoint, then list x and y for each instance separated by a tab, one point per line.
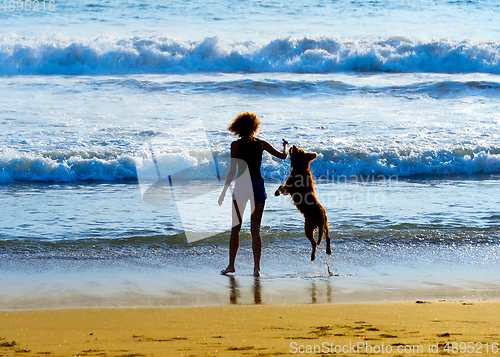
422	239
169	277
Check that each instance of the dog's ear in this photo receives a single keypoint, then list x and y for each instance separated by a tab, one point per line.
293	149
311	156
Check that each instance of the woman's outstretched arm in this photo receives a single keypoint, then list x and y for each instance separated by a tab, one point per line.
231	173
282	155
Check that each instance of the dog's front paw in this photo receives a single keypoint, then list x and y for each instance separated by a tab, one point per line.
278	192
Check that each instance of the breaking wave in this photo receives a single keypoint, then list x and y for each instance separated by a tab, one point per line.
103	56
69	167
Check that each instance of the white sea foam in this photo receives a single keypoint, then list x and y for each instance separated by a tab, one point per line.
49	56
21	166
331	163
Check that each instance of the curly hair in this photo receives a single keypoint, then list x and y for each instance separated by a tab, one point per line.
245	125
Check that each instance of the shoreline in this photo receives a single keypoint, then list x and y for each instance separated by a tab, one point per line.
254	330
115	288
371	275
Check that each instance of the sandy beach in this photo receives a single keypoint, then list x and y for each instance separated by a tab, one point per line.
421	328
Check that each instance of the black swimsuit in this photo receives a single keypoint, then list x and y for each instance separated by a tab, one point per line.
250	152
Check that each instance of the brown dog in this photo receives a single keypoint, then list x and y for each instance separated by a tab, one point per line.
300	186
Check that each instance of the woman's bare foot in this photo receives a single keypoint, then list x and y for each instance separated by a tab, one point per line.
256	272
228	270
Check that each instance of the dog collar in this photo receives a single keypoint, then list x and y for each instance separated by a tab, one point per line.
300	164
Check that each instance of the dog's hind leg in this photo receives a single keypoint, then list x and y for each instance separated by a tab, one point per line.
327	237
309	231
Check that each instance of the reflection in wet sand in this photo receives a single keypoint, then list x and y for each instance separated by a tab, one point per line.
319	291
233	289
257	298
235	293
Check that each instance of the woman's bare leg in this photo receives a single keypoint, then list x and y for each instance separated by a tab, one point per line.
255	220
234	240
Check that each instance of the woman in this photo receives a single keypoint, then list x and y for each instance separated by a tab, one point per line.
246	156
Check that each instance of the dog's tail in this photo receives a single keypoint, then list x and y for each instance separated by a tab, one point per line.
322	230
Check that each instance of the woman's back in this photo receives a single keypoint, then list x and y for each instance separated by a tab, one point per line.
250	151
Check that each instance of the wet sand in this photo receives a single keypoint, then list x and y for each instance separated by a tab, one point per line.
421	328
177	278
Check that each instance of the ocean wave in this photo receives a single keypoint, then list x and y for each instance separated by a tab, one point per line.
167	246
330	163
64	167
102	56
436	162
436	88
